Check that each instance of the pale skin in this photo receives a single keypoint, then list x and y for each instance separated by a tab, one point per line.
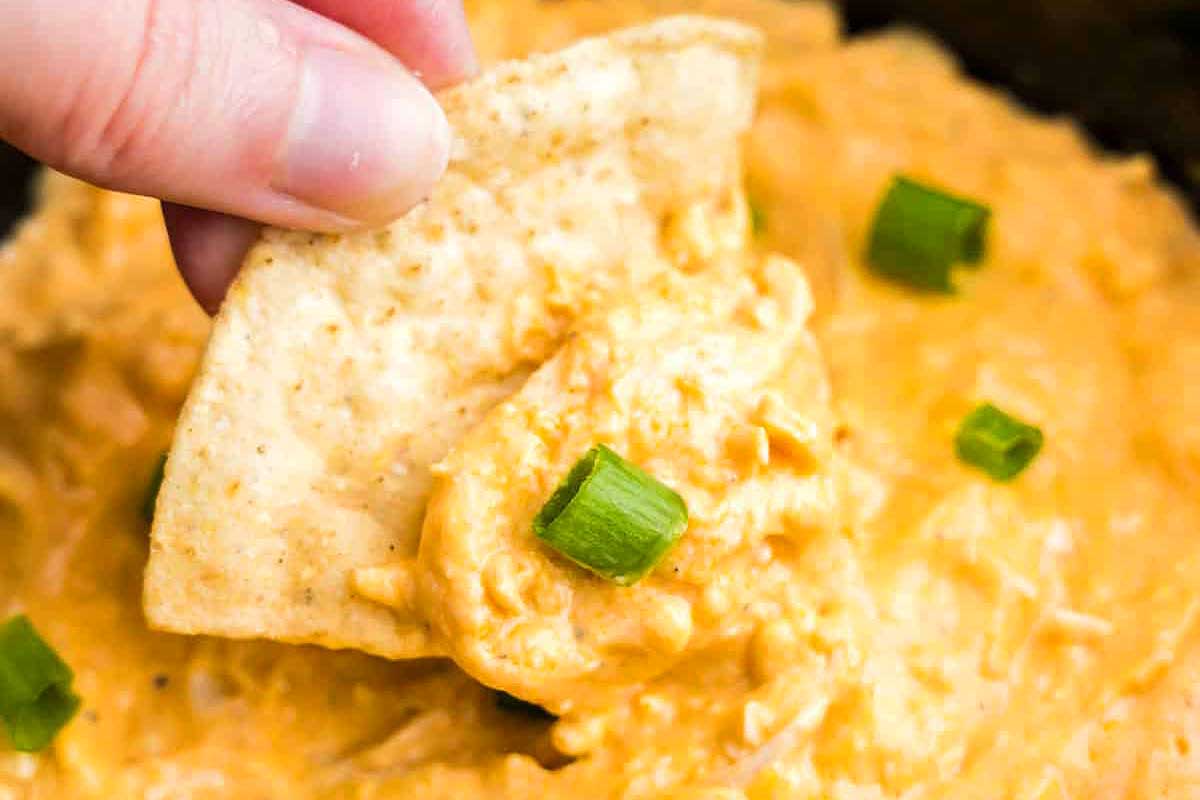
310	114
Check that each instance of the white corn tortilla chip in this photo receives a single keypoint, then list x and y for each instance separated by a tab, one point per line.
341	368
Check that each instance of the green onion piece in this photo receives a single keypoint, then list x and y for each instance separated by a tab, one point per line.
996	443
611	517
920	234
758	217
515	705
152	488
36	700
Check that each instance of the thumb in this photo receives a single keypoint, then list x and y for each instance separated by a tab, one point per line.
256	108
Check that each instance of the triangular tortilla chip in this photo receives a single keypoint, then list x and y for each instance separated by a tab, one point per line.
342	367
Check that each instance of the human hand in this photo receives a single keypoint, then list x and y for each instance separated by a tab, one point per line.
306	114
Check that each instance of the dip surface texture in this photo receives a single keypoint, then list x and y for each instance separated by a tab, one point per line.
906	629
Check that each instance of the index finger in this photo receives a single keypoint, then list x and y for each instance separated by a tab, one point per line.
430	37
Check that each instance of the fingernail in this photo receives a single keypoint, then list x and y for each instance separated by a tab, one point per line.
456	59
366	141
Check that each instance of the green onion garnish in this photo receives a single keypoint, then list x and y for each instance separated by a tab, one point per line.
996	443
758	217
920	234
515	705
35	687
152	488
611	517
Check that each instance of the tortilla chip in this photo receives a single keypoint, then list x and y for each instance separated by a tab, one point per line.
342	367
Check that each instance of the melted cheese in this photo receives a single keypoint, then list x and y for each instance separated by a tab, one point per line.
1036	640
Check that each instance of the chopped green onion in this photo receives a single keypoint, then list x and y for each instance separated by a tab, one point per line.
515	705
758	216
611	517
996	443
36	700
152	488
920	234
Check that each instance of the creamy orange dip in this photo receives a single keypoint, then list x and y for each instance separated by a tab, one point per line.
948	636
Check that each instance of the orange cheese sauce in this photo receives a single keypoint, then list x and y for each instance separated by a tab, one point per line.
1035	640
